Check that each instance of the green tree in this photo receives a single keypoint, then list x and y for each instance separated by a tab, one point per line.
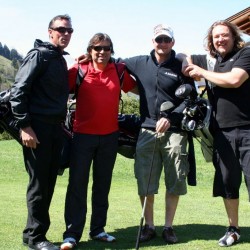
14	63
129	105
15	55
6	52
1	50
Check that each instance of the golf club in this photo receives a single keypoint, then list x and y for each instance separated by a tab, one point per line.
197	115
164	107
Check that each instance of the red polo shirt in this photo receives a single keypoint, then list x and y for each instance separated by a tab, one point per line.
97	103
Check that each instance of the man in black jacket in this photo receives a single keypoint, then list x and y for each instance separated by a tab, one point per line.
161	143
39	103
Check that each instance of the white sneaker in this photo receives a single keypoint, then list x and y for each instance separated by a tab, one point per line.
231	237
68	243
104	237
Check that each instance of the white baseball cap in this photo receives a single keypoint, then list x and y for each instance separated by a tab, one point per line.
162	29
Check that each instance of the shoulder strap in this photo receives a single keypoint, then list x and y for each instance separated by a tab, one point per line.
81	72
120	69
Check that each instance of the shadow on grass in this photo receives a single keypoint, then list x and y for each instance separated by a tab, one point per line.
126	237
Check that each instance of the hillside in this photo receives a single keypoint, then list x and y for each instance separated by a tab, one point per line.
7	73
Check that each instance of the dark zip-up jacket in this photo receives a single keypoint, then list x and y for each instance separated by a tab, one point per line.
157	83
41	87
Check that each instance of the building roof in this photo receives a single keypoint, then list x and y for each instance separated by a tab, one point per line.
242	20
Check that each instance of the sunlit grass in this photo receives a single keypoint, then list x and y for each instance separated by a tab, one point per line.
199	222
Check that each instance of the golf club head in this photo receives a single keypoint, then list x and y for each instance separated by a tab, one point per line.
5	96
166	106
186	91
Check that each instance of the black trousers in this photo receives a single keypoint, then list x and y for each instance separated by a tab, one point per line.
100	151
231	159
42	165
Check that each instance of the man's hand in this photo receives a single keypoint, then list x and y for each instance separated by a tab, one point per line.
28	137
194	71
162	125
82	59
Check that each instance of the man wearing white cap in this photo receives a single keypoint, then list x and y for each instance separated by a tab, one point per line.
161	142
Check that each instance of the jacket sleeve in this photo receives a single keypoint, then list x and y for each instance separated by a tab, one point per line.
129	62
21	89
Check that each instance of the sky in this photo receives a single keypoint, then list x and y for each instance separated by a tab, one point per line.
129	23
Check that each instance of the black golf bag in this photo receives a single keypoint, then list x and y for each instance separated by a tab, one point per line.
129	128
197	116
9	124
7	121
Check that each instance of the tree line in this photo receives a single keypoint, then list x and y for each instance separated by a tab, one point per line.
12	54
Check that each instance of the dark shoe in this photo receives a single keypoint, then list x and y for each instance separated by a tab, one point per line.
147	233
43	245
169	236
231	237
25	241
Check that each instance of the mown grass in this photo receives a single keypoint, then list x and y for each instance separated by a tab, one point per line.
199	222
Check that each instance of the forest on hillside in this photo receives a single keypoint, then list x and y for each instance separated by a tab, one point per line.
10	61
9	54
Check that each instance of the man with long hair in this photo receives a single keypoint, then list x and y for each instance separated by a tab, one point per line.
229	94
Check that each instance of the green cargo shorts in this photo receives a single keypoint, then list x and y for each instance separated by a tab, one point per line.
155	151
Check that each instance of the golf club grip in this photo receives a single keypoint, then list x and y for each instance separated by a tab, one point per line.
139	234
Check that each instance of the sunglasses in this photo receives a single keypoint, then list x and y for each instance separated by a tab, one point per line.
100	48
63	30
164	39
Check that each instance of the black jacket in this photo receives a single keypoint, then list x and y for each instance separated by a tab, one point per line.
157	84
41	86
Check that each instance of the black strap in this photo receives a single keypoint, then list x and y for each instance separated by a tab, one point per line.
205	89
121	77
79	78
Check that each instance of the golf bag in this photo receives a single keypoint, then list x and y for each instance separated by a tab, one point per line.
129	128
197	115
7	121
67	126
9	124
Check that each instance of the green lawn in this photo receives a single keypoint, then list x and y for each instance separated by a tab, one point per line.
199	222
